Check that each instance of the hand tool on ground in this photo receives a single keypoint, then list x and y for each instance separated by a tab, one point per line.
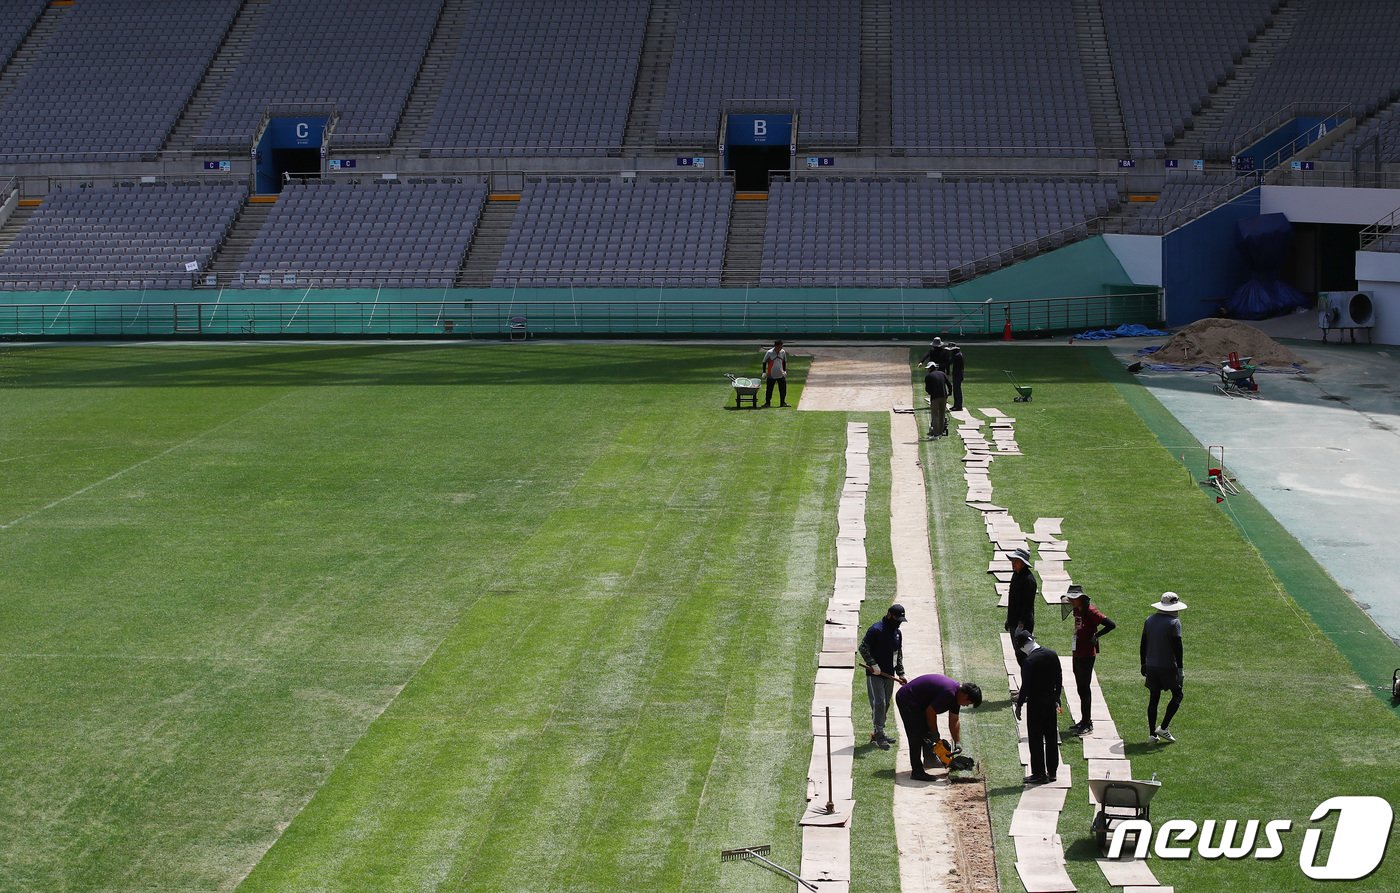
750	853
882	673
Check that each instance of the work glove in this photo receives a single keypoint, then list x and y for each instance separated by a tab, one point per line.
875	669
1018	712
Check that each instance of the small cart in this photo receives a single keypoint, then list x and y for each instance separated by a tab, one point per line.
745	389
1119	800
1023	392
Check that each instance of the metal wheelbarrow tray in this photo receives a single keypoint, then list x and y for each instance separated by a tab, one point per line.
745	389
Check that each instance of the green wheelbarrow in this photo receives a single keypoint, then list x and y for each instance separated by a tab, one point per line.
1023	391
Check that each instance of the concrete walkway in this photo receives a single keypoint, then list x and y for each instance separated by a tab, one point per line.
1321	451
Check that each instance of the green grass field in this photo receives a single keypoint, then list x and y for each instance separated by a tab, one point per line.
543	618
1275	720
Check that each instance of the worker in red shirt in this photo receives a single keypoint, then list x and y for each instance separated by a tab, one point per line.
1090	625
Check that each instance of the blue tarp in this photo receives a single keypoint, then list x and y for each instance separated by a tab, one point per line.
1126	330
1265	242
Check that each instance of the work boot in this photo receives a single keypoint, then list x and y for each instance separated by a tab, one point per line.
1036	779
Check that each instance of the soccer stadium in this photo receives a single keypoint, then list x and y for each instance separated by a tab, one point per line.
521	446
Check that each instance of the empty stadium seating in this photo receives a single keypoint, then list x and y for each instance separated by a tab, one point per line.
360	56
599	231
879	231
554	78
988	77
1167	54
1376	140
113	80
132	237
18	18
808	52
383	234
1343	51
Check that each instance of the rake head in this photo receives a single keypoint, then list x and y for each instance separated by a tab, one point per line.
744	853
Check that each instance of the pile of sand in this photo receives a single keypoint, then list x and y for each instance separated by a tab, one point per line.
1208	341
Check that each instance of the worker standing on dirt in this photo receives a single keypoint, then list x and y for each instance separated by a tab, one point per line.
882	650
775	371
1042	681
1088	621
1020	598
1162	669
936	385
920	702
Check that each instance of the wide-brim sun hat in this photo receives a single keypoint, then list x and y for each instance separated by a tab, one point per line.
1170	602
1021	554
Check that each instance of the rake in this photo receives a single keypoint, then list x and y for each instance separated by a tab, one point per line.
750	853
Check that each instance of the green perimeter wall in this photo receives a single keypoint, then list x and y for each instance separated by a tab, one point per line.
1046	293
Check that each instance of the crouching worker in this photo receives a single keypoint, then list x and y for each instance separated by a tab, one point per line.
920	702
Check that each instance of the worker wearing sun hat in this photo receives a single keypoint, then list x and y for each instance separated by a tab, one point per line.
1160	655
1020	597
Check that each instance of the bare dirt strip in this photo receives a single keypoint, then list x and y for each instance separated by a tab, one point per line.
943	829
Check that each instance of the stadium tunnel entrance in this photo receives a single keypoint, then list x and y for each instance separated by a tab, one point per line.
1323	257
755	145
288	147
753	165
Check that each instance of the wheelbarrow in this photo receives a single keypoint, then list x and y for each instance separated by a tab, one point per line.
1023	392
1119	801
1237	377
744	389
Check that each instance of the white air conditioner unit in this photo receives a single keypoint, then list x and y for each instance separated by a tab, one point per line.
1346	310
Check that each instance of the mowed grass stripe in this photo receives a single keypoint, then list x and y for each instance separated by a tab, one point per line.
285	580
616	735
1274	720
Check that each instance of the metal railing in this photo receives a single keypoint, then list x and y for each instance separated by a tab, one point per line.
1381	235
1272	122
740	315
1340	117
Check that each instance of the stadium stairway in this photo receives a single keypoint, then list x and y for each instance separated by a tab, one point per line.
18	218
432	77
653	71
484	254
216	79
23	60
1110	134
743	251
240	238
1199	133
876	78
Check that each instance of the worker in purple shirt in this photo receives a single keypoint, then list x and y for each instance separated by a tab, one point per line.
919	704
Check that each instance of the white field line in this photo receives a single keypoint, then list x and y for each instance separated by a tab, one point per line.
130	468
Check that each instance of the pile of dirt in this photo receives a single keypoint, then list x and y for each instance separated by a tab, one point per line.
1208	341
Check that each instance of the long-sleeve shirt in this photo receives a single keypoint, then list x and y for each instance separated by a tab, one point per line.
1020	601
883	644
1042	678
1160	646
936	384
